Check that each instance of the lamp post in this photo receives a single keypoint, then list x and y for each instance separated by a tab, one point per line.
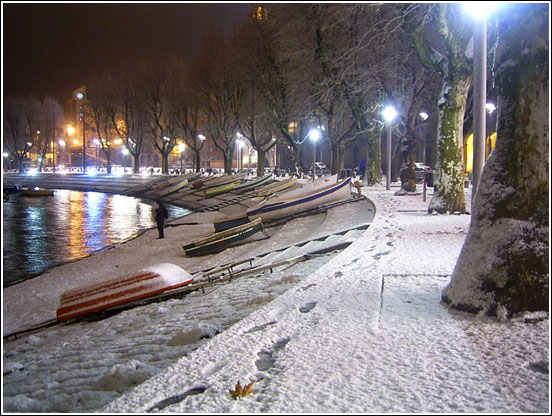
479	11
424	116
314	135
389	114
80	97
202	138
240	144
181	148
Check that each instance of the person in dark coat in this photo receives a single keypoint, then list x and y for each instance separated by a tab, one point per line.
161	214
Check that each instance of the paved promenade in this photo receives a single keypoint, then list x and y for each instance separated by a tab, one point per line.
365	333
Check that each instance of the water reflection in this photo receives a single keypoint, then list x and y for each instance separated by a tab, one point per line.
39	233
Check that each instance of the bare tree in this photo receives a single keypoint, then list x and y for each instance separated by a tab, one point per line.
504	268
442	45
127	114
221	92
254	48
48	117
17	137
158	80
100	102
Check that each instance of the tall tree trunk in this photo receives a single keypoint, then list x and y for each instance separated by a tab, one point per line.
448	193
503	268
261	154
408	157
197	161
372	172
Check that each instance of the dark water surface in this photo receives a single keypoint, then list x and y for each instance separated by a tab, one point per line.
41	232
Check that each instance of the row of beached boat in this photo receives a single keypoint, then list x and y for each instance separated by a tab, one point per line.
228	232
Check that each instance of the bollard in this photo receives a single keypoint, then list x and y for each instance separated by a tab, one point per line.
357	185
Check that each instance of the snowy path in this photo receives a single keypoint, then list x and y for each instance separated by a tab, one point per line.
364	333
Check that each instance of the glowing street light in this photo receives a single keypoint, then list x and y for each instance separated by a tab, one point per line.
479	10
240	144
314	135
181	149
389	114
202	138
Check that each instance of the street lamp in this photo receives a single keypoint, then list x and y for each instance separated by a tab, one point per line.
389	114
181	148
80	96
479	10
314	135
202	138
240	144
424	116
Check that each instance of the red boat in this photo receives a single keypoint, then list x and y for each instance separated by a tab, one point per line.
114	292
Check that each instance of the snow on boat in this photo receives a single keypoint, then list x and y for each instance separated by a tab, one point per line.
222	240
253	183
174	188
221	189
293	204
148	282
276	187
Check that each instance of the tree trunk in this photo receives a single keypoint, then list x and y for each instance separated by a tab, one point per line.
261	154
408	157
136	163
197	161
372	173
164	163
448	193
503	266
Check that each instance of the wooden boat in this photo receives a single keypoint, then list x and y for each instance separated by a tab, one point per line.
276	187
308	187
230	222
200	182
221	189
247	186
174	188
226	223
224	179
283	207
148	282
36	191
222	240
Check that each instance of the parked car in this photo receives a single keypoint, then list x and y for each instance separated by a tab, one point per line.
321	169
421	170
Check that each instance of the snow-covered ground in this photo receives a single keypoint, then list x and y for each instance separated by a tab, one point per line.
362	332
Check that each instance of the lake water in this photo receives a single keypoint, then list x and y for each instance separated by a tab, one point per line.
41	232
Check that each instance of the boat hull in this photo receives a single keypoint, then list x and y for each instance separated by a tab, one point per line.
255	183
220	241
221	189
115	292
37	192
284	207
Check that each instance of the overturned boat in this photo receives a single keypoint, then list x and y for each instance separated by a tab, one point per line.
114	292
222	240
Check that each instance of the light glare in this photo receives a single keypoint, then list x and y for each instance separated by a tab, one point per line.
389	113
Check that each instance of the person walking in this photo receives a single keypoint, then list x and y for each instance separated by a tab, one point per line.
161	214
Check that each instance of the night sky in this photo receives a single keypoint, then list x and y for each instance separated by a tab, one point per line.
51	49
